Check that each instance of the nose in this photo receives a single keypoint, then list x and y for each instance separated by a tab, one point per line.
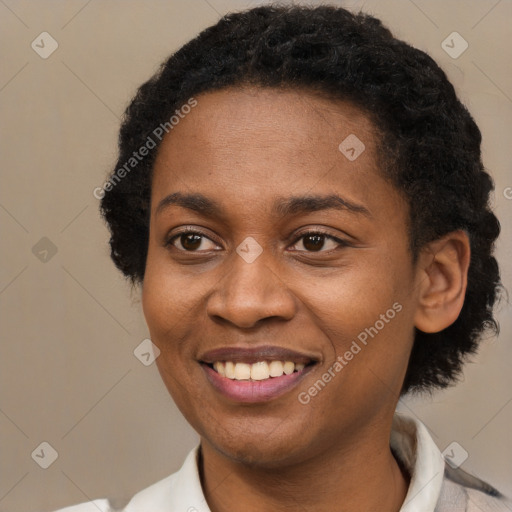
249	293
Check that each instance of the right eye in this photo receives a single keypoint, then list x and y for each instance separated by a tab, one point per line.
190	241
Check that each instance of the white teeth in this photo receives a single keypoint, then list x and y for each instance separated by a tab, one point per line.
220	368
229	368
242	371
261	370
276	368
288	367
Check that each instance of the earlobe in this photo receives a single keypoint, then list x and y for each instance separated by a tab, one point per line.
443	270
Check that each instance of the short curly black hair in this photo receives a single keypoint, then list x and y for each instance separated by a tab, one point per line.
436	160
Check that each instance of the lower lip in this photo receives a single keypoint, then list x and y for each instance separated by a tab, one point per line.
252	391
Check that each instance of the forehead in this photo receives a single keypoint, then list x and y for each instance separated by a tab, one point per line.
255	117
256	142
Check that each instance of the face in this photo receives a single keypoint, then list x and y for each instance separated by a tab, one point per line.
270	243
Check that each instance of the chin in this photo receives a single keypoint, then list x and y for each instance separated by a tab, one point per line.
261	448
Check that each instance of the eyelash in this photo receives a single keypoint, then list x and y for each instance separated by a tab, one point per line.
342	243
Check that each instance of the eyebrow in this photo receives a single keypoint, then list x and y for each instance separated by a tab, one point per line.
282	207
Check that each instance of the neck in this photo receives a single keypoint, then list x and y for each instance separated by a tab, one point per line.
359	476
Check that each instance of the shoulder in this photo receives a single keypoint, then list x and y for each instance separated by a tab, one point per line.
179	491
464	492
479	501
90	506
155	495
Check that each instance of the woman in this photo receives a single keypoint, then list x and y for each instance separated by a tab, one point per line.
301	197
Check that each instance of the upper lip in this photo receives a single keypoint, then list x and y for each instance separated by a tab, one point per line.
251	355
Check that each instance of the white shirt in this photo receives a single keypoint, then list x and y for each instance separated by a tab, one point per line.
430	490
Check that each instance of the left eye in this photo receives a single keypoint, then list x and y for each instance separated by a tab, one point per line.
313	241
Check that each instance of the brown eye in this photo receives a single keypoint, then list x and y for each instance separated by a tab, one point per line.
190	241
315	241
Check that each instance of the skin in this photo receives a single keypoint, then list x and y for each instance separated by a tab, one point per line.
244	148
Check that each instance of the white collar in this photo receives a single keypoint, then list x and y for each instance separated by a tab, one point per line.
410	441
413	445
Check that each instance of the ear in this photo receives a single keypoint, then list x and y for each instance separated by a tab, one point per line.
442	272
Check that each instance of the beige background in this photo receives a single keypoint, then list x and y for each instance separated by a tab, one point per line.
69	325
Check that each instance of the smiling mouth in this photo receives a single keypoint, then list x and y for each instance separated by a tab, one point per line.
258	371
256	374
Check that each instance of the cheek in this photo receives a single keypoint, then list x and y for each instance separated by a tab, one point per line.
355	298
165	314
367	315
169	297
167	305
